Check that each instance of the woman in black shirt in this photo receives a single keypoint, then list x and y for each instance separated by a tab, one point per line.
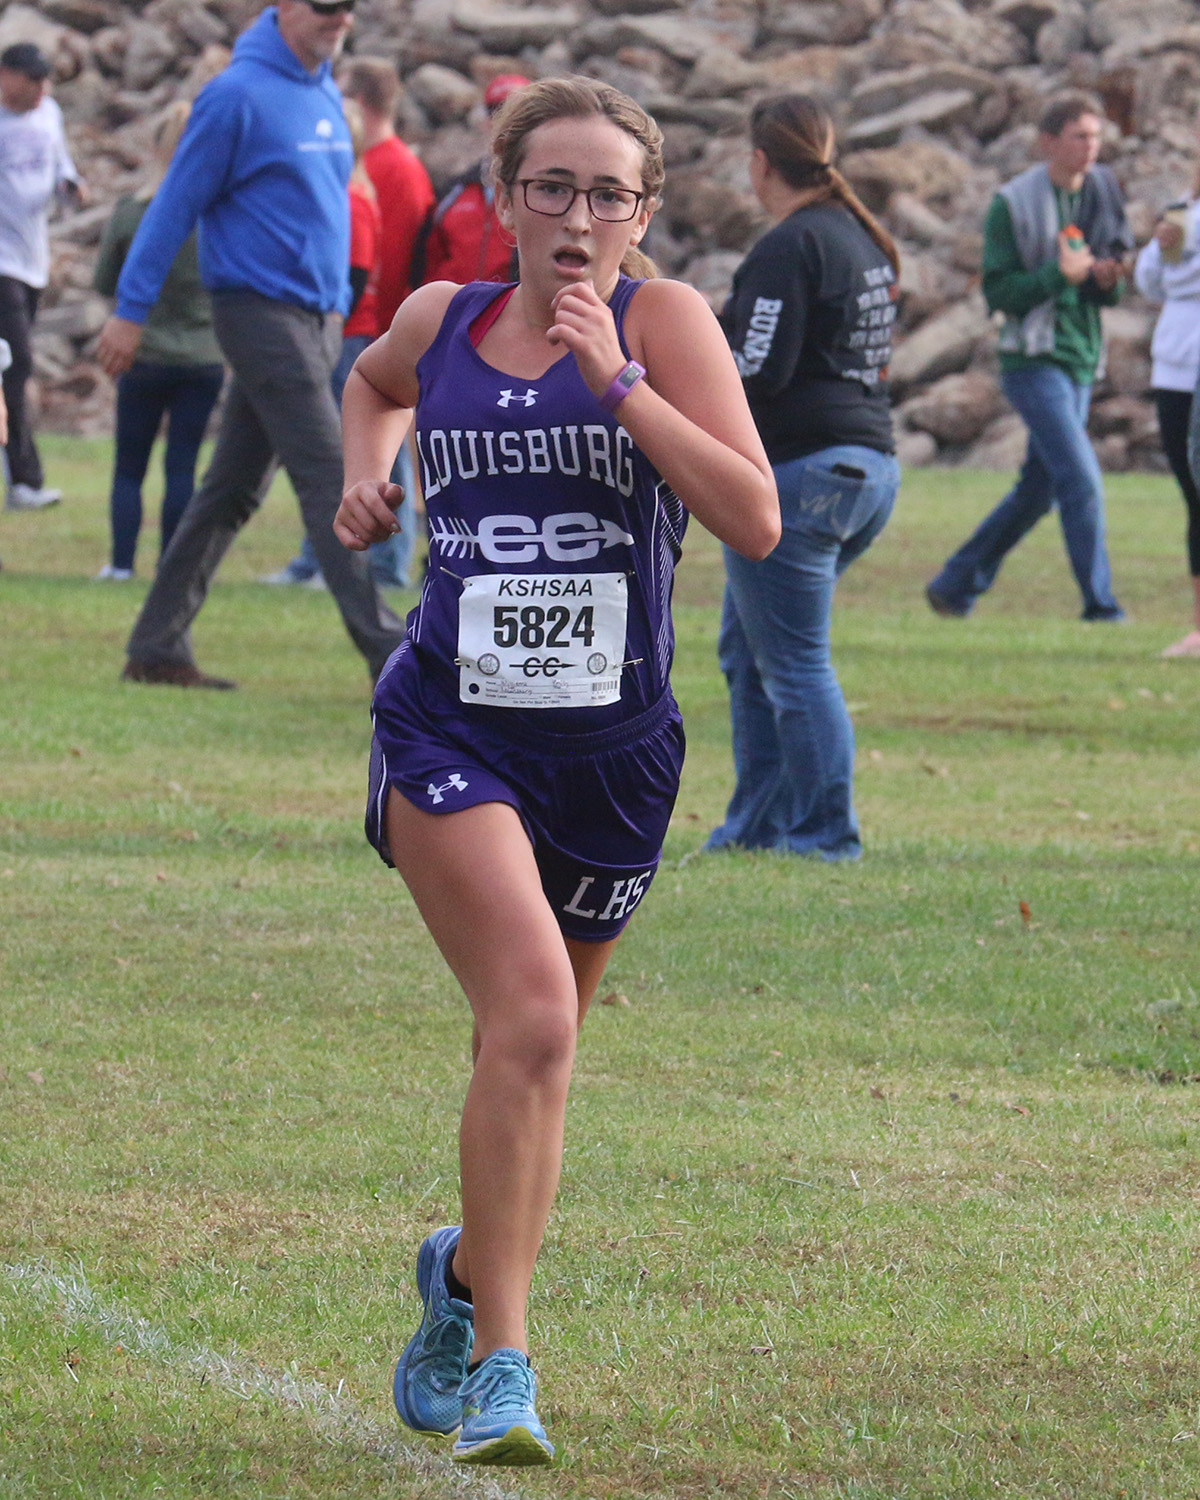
809	320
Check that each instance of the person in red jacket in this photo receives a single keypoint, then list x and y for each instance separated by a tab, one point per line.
462	240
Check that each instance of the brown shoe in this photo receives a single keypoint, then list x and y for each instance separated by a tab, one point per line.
174	674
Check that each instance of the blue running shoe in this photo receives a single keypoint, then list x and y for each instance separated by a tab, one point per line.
499	1422
434	1365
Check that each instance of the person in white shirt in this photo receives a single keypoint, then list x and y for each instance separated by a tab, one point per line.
1168	271
35	167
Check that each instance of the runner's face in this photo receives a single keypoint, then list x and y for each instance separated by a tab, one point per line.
1076	148
582	153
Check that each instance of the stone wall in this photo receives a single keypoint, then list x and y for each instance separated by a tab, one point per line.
934	100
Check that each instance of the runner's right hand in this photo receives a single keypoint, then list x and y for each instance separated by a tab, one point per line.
366	514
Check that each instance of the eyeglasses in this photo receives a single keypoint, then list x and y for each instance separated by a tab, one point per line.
612	205
332	7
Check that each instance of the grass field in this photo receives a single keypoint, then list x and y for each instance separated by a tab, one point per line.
876	1187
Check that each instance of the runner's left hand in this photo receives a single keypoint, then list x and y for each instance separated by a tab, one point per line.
585	325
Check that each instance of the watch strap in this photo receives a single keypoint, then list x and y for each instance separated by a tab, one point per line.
624	382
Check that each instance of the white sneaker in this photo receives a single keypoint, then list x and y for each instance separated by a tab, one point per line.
25	497
114	575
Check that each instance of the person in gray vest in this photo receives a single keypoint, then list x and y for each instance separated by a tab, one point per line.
1055	242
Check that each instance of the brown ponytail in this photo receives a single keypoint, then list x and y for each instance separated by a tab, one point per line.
795	134
577	98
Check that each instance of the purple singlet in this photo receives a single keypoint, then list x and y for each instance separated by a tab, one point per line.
535	669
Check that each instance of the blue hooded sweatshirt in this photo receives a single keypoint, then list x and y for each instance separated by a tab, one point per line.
263	165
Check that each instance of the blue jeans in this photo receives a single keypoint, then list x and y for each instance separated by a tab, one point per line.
186	394
1060	466
391	561
793	742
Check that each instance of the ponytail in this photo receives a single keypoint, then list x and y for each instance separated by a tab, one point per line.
795	134
637	264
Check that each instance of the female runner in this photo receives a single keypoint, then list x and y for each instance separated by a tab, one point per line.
527	748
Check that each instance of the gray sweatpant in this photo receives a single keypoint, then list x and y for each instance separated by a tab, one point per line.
279	406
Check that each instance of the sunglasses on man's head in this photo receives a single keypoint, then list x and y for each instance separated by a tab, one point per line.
332	7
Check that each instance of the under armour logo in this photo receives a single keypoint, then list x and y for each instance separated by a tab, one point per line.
508	397
456	783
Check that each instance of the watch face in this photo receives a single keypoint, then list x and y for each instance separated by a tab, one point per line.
629	376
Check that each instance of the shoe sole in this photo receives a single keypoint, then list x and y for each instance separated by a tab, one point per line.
425	1266
517	1448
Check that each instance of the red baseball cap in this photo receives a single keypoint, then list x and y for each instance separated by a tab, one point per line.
500	87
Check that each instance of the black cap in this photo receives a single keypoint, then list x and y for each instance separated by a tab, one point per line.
24	57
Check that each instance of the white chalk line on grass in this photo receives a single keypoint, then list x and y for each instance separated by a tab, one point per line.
335	1417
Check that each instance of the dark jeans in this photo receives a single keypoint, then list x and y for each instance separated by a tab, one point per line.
186	395
1174	417
279	403
18	308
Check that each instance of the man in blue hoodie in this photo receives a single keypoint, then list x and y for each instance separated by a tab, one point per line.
263	168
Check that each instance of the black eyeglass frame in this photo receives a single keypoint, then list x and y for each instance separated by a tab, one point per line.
524	184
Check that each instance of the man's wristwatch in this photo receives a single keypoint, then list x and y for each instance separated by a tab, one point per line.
622	385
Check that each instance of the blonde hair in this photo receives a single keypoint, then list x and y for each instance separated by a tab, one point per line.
795	134
165	136
358	139
578	99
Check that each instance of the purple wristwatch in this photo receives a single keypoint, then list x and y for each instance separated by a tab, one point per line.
622	385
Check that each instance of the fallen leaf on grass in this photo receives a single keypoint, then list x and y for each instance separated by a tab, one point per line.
162	875
877	1092
615	998
762	1348
1018	1109
1115	705
35	1075
1026	912
931	770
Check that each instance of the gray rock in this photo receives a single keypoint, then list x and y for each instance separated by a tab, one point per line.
149	52
719	115
956	409
74	320
22	23
816	21
712	274
721	72
191	20
86	16
880	93
503	28
914	450
927	169
443	93
637	7
914	220
1001	447
1063	36
941	346
944	107
684	39
977	38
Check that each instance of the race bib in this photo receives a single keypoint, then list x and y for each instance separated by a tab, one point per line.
542	640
